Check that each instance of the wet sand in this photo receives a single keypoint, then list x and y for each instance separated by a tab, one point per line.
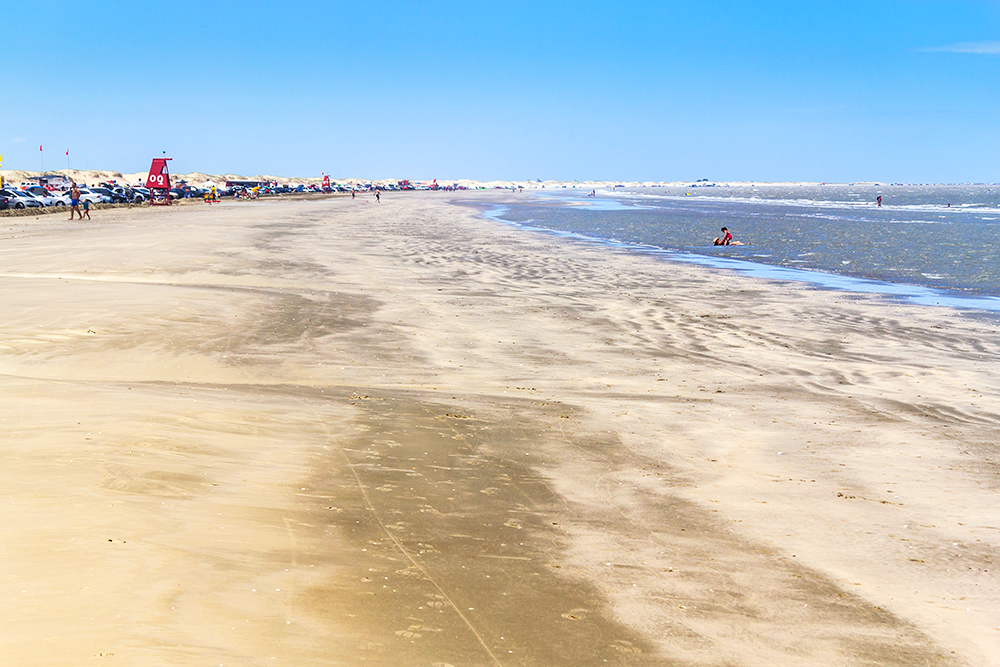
339	432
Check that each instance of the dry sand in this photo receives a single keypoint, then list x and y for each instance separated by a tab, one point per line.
334	432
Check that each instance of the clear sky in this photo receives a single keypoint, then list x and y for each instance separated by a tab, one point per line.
612	90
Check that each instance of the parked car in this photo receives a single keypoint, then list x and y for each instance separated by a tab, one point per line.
19	199
62	198
44	196
47	197
87	194
112	196
126	193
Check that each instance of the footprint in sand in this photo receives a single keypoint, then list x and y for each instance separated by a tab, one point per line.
575	614
435	601
624	646
409	634
409	572
415	631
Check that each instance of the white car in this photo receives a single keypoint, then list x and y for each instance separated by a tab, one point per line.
48	197
45	197
60	198
20	199
86	194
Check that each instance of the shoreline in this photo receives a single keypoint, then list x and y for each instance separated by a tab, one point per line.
976	305
402	433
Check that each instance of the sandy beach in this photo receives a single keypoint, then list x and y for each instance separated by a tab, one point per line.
335	432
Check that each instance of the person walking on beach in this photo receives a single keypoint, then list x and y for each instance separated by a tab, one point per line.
352	193
74	202
378	200
879	200
86	209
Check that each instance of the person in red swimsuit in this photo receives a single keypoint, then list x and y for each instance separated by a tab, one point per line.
725	239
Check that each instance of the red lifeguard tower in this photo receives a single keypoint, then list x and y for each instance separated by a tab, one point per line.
158	182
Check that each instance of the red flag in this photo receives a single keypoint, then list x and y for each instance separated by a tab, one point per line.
39	148
67	152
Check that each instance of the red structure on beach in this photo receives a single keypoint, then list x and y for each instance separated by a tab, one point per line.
158	182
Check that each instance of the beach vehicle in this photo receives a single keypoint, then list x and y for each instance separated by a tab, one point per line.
56	182
3	203
19	199
185	192
129	194
86	194
111	195
61	198
44	196
49	199
35	189
132	195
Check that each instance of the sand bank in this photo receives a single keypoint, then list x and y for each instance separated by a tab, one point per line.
335	432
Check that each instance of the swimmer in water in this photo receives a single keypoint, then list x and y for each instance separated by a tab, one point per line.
726	238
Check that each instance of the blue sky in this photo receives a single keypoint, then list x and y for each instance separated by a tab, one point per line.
772	91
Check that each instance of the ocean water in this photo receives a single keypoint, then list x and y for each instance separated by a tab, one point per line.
929	244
